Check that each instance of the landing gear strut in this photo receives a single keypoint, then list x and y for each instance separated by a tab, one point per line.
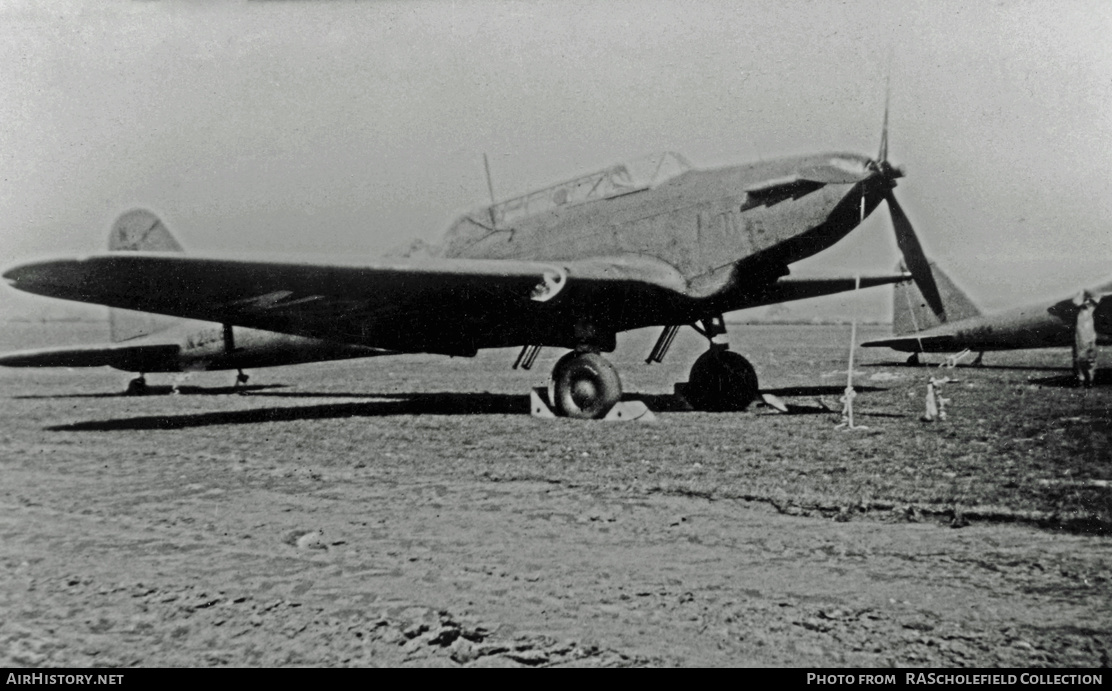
137	386
584	385
241	379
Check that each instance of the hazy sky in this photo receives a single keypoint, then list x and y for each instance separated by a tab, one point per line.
353	126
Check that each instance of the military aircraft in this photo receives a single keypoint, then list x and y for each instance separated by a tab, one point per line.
949	322
147	343
653	242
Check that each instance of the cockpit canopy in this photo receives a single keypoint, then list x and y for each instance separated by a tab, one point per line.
624	178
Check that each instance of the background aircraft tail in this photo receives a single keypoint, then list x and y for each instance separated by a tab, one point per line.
911	312
139	231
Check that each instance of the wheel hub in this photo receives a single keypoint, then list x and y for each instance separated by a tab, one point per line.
584	392
584	385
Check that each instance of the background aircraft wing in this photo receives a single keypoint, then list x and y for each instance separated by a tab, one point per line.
432	305
115	355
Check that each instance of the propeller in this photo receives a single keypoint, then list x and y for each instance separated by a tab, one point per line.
914	258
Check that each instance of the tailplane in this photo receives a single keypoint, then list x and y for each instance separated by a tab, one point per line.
139	231
911	312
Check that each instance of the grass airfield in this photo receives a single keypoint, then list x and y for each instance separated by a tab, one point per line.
409	511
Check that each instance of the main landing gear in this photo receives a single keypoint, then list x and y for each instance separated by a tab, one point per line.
720	380
584	385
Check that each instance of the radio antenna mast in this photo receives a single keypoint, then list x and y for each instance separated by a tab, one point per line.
490	188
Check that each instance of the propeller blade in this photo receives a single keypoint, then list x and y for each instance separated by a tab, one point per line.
914	258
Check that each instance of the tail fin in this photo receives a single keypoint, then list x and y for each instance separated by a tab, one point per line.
911	313
139	231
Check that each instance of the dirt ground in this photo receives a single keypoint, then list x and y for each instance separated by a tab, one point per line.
408	511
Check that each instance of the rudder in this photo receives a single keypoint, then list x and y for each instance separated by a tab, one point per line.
139	230
911	313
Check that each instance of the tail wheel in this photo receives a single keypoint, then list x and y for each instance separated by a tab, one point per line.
721	381
137	387
585	386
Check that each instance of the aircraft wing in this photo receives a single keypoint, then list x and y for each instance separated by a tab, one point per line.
115	355
788	288
438	305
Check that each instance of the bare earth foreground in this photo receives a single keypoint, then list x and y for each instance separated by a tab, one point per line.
408	511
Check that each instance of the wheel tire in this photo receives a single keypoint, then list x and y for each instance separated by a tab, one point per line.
585	386
137	387
721	381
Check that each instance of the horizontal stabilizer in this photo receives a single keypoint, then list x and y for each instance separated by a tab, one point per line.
125	357
789	288
913	344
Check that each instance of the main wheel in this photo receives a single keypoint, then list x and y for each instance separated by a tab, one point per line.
721	381
585	386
